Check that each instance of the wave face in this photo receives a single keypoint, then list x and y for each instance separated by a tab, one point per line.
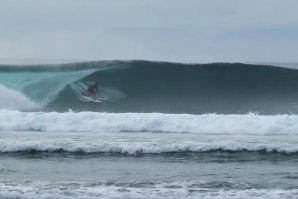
143	86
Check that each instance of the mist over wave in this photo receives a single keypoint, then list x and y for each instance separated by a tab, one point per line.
144	86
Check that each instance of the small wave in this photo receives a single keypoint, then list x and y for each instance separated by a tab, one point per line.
137	148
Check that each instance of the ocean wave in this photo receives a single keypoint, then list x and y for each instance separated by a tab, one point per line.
38	88
145	147
147	122
148	190
227	88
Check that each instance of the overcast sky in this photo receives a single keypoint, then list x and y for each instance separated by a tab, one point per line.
167	30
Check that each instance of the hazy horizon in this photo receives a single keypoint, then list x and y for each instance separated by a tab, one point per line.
196	31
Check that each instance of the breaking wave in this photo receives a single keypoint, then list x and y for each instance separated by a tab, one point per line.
14	100
137	148
147	122
144	86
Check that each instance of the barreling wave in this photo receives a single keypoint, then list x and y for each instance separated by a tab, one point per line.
144	86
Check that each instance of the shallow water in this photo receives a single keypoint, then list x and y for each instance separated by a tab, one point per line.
31	167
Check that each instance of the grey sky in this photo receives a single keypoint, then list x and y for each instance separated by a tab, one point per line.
168	30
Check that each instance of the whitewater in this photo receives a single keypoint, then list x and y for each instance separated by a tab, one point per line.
161	130
148	122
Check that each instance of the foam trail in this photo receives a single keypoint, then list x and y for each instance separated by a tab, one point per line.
148	122
174	190
14	100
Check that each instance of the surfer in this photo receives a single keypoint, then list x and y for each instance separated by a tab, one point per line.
93	90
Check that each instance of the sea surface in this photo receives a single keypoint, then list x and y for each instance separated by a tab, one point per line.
160	130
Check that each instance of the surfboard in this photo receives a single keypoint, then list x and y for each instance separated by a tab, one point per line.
90	99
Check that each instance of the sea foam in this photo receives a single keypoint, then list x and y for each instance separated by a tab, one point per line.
173	190
147	122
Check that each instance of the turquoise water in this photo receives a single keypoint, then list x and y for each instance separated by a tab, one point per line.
143	86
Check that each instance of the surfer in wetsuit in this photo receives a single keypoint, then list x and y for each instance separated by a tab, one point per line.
93	90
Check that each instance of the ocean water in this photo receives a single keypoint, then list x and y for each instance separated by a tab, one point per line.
161	130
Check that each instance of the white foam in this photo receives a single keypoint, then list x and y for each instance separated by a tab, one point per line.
148	122
15	100
175	190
